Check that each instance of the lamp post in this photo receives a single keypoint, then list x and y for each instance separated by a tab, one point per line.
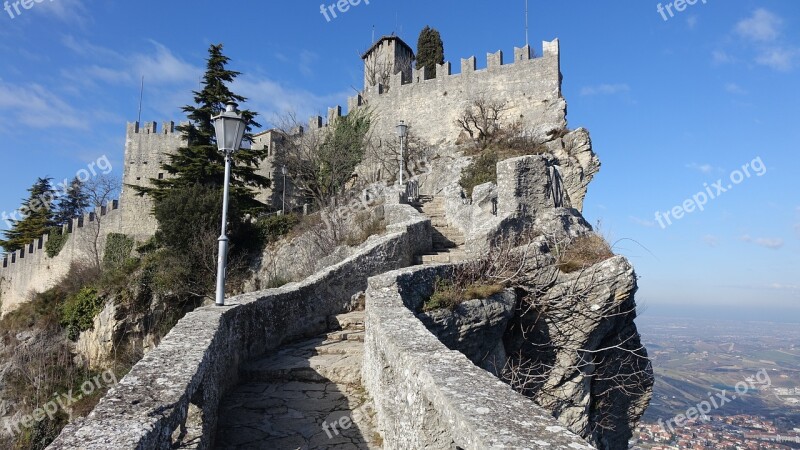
230	128
284	172
402	132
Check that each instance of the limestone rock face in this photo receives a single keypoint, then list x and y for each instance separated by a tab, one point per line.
577	333
475	328
578	164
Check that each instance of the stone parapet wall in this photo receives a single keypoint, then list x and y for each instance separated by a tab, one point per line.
427	396
30	270
199	360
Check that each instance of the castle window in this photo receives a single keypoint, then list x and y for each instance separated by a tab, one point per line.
161	176
138	178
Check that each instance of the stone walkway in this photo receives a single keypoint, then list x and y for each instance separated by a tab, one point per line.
447	240
307	395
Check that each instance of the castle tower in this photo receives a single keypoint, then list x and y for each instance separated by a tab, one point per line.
146	149
388	56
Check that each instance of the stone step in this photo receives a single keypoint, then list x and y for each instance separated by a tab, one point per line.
445	257
336	364
353	321
345	335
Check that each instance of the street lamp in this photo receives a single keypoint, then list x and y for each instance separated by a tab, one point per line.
402	132
284	172
230	128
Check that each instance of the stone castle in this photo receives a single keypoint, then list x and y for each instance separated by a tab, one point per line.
529	87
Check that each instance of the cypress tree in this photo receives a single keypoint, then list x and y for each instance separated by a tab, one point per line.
430	51
200	163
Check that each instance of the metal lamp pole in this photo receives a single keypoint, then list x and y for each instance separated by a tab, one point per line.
230	128
402	132
284	172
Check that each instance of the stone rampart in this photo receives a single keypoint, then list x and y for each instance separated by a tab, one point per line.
427	396
198	361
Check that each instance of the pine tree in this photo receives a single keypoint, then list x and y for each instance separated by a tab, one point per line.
430	51
37	216
72	204
201	162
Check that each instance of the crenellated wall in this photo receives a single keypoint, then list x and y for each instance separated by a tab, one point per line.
146	148
31	270
530	88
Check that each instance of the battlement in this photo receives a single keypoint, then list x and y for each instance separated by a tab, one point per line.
38	246
523	60
167	128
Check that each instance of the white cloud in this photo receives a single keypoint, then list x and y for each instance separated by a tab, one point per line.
711	240
160	67
734	88
605	89
778	58
72	12
721	57
272	99
692	22
762	26
771	243
642	222
35	106
703	168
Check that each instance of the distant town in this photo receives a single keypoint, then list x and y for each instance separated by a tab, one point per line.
722	433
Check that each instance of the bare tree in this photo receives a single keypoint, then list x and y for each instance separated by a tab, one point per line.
482	119
100	191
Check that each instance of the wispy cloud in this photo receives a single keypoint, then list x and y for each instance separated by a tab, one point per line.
711	240
72	12
605	89
35	106
642	222
734	88
692	22
763	29
770	243
703	168
721	57
762	26
782	59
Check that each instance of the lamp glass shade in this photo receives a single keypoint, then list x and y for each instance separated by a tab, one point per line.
402	129
230	128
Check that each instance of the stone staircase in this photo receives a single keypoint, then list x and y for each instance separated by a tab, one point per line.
306	395
447	240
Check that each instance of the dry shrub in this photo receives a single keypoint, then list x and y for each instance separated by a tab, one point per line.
449	294
584	251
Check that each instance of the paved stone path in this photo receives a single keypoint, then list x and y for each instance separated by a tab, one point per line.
447	240
307	395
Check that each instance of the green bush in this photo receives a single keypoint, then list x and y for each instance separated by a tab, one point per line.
118	250
79	311
55	242
483	169
272	228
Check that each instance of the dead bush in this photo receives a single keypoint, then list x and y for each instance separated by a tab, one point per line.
584	251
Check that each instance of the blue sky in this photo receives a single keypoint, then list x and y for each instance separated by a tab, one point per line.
672	105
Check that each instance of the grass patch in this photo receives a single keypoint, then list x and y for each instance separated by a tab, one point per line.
78	312
584	251
448	294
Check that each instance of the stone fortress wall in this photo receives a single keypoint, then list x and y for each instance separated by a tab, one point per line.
31	270
530	88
